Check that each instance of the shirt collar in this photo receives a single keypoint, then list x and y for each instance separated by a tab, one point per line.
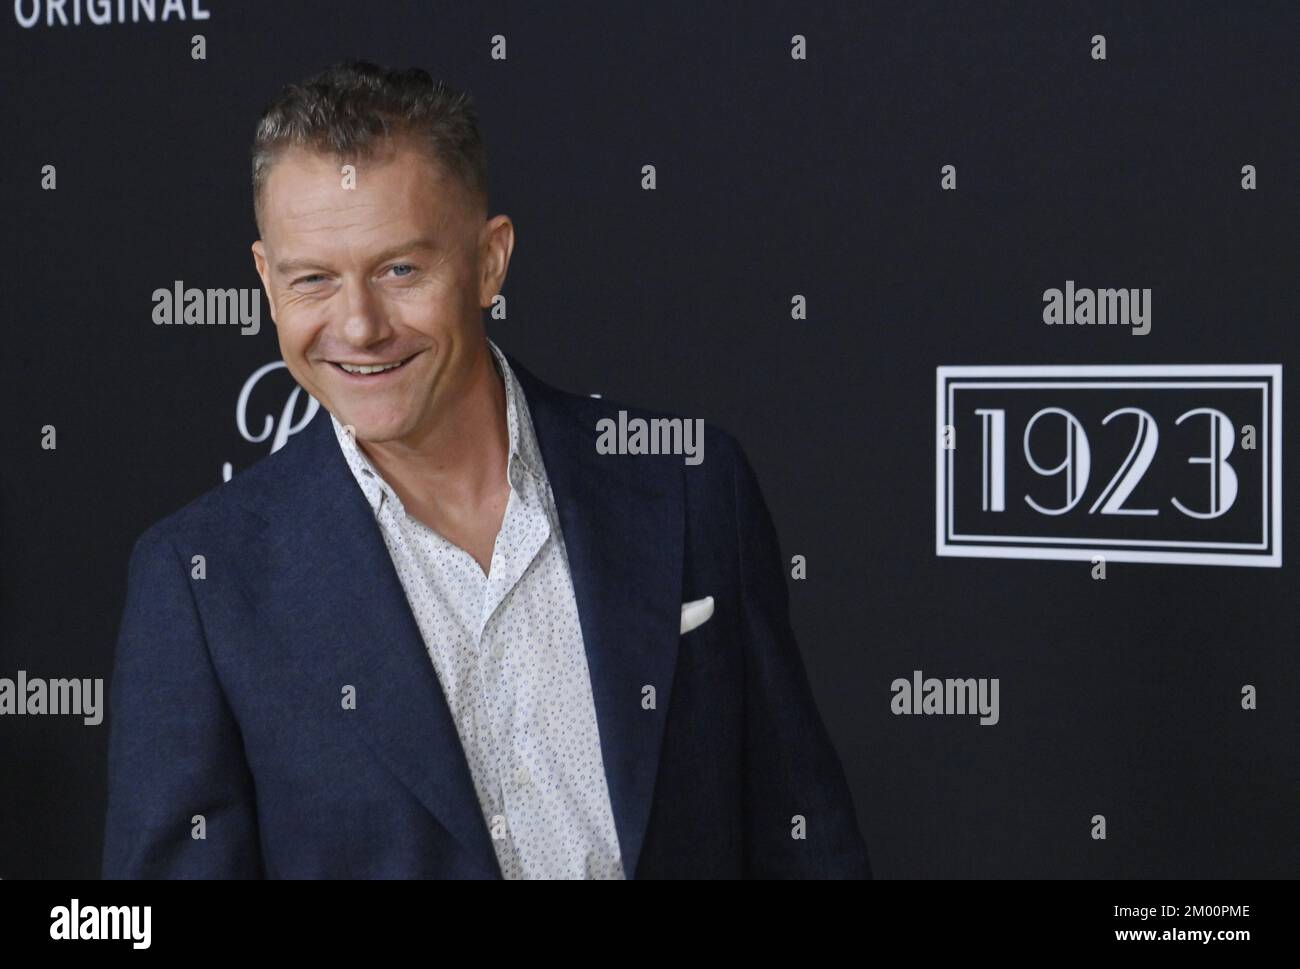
525	456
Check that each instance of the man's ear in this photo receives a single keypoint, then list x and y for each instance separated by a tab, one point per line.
498	242
264	271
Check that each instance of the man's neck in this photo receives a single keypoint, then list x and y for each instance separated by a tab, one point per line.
461	461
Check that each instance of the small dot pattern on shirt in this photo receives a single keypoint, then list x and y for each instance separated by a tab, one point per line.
508	651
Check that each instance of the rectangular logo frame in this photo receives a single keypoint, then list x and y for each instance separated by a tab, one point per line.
1266	377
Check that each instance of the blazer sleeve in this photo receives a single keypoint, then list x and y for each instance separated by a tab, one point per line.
791	767
175	749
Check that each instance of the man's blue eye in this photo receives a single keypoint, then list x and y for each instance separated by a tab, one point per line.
404	266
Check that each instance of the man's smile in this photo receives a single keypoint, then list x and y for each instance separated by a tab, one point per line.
370	372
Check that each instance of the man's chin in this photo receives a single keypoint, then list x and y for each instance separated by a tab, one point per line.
371	428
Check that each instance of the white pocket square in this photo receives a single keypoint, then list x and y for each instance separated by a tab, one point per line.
696	613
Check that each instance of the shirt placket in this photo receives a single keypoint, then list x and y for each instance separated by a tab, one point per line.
522	535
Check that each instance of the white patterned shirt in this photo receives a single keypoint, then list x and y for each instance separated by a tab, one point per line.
508	652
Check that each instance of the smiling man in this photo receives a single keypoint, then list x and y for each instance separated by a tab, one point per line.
442	633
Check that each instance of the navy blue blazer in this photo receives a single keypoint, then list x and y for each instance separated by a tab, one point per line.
226	694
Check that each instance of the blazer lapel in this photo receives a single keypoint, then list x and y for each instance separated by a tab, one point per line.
622	520
350	611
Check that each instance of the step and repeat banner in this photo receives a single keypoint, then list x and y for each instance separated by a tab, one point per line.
997	298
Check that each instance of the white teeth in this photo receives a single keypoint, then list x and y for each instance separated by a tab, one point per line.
378	368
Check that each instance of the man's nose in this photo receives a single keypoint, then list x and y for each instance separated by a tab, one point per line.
365	319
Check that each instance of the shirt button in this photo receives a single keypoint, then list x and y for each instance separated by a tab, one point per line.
499	650
522	776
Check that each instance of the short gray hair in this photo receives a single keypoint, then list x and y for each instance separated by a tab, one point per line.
354	108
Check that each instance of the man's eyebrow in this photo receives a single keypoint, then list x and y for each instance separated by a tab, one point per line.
286	266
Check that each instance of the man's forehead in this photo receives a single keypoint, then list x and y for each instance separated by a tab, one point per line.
401	188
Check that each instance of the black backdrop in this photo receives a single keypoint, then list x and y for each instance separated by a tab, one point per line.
776	177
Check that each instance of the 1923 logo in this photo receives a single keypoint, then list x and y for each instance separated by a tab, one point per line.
1175	463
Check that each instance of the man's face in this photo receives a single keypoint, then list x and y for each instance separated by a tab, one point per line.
395	270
